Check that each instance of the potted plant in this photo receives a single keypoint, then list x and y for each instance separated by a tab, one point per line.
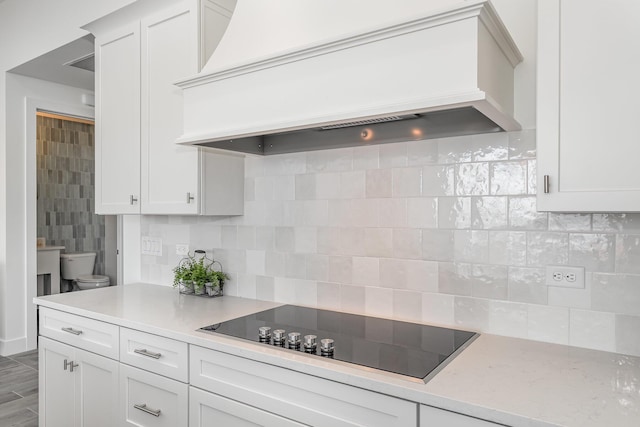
196	274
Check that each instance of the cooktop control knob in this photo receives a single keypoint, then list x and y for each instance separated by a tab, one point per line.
279	336
326	347
310	343
264	333
294	339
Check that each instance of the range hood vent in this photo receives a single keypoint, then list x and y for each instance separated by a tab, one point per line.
430	74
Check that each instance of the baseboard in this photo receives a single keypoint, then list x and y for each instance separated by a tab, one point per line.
10	347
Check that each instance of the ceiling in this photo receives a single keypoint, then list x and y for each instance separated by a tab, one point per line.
51	66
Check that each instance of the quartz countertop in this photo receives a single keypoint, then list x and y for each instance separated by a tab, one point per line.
505	380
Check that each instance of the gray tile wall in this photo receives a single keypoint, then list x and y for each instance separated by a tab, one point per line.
65	188
441	231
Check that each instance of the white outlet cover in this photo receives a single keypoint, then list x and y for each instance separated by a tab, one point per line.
151	246
564	270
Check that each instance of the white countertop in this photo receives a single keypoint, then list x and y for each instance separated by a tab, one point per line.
506	380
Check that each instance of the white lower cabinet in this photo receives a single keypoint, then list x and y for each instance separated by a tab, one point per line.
148	399
434	417
77	388
210	410
303	398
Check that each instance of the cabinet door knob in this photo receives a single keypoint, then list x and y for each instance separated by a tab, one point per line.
72	365
190	198
143	408
66	364
132	199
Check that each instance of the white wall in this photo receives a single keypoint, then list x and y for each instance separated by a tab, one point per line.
28	29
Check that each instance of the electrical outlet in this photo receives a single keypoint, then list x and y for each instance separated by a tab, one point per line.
151	246
565	276
182	250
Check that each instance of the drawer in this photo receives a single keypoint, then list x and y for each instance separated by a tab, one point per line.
87	334
434	417
154	353
304	398
209	410
150	400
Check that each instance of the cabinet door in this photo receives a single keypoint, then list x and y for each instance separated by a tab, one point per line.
211	410
96	385
118	121
587	85
169	172
149	400
56	384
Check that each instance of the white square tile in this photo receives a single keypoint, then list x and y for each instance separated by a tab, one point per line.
295	265
392	213
263	188
364	212
489	212
256	262
628	253
317	267
247	286
617	222
306	292
472	313
627	341
592	329
422	152
595	252
284	187
472	179
524	216
311	213
438	180
352	185
378	242
378	302
507	318
330	160
352	242
548	324
522	144
306	240
471	246
365	271
265	238
264	288
407	243
490	281
547	248
366	157
393	155
274	263
455	278
532	177
285	164
508	178
406	182
328	295
616	293
422	275
305	187
490	146
454	212
378	183
508	247
407	305
246	238
438	309
352	298
340	213
329	240
229	236
422	213
340	269
437	245
328	185
458	149
527	284
393	273
285	239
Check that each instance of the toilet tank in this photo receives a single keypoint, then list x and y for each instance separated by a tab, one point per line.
77	264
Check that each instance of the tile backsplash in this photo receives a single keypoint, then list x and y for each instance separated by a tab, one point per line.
65	188
441	231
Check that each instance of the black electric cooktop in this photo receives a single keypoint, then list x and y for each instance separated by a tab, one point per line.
403	348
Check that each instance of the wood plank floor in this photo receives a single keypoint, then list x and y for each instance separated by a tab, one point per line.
19	390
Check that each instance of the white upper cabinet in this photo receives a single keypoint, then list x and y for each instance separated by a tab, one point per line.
117	130
147	172
588	68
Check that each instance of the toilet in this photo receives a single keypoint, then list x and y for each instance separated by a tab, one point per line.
78	268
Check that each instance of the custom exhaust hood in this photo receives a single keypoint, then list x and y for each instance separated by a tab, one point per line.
300	75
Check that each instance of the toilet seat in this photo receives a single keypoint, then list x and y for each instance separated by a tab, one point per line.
91	281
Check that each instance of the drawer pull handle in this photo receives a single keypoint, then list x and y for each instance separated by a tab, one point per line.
72	331
145	352
66	364
143	408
